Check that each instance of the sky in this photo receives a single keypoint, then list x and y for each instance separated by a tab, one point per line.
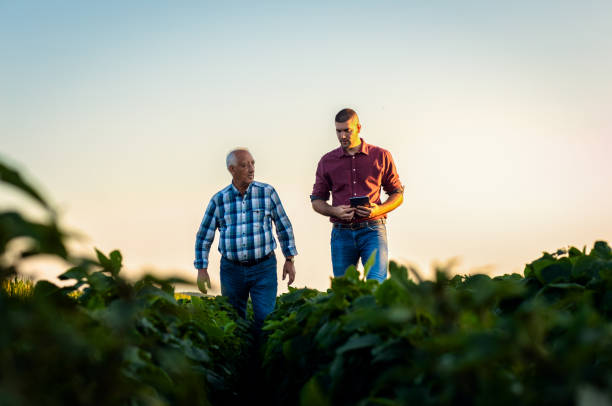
497	116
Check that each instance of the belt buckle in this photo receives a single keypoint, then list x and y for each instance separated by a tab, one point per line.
369	223
359	225
256	261
245	263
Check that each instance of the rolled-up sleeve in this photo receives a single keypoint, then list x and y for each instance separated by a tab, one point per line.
390	181
322	187
205	235
284	230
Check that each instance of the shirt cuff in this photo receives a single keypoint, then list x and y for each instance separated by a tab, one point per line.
289	251
200	264
396	190
313	198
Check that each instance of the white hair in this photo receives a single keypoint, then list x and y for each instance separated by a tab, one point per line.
231	157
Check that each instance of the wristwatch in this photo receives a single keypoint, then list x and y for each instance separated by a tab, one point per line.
290	259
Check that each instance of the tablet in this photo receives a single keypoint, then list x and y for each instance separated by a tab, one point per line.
359	201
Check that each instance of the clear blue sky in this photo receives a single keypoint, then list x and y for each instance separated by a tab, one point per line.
498	117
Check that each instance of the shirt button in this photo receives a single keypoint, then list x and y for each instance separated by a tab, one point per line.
353	169
354	182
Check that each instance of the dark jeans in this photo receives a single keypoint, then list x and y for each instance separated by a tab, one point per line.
260	281
348	245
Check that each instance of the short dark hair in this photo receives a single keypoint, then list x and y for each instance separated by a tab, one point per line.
345	115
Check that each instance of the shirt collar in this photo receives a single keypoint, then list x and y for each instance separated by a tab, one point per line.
365	149
236	192
251	185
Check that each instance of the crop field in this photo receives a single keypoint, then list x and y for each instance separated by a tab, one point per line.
541	338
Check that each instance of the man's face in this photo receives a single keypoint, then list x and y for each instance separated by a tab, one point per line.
348	133
243	172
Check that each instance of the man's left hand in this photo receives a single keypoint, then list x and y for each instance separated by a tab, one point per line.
289	269
367	211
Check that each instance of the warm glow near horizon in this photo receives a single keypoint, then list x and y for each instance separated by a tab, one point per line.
498	120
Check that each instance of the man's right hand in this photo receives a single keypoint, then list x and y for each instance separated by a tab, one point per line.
344	212
203	280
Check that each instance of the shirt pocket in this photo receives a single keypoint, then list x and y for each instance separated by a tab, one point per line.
260	218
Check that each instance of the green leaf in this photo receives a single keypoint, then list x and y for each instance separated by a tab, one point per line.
566	286
358	342
45	288
44	238
103	260
154	294
369	263
400	280
327	334
165	284
389	293
602	250
112	263
352	273
148	327
585	267
76	272
362	320
116	260
312	394
606	274
229	327
528	272
197	302
575	252
390	350
398	271
399	315
100	282
542	263
554	271
195	353
12	177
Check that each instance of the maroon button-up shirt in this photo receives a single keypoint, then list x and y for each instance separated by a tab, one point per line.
362	174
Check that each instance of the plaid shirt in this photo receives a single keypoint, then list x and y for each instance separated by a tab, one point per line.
245	225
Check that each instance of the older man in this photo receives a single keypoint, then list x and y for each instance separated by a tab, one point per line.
243	212
356	170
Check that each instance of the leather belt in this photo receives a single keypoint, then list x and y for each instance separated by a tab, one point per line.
251	262
357	226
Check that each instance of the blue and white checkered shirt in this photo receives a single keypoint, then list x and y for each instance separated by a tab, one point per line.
245	225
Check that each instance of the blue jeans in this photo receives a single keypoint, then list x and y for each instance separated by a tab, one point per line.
259	280
348	245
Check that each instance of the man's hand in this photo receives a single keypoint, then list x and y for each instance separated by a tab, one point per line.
344	212
367	212
203	280
289	269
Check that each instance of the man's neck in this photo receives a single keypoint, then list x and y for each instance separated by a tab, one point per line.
352	150
242	188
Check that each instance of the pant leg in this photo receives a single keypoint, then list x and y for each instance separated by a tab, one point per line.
344	250
263	284
370	239
234	286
